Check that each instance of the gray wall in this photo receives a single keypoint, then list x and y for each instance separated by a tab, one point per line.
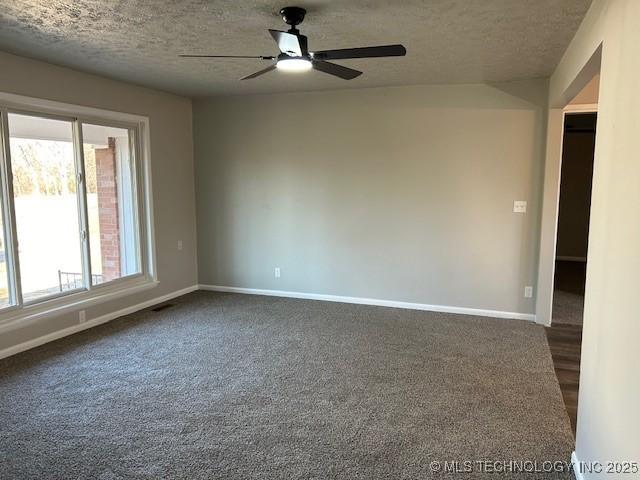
401	193
171	164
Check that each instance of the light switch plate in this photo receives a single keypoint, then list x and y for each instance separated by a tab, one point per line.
520	206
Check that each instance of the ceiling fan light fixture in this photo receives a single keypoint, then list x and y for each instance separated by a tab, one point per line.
294	65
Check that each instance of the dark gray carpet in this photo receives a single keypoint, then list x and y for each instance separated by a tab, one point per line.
568	292
568	308
233	386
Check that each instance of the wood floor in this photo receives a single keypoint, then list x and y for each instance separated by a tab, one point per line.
565	342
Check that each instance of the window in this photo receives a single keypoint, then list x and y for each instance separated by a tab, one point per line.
46	207
74	216
110	202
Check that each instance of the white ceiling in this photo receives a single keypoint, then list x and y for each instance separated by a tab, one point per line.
448	41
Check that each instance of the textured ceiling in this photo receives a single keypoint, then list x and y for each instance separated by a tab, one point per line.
448	41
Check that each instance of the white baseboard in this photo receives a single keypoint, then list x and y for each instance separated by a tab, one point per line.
567	258
36	342
577	471
374	301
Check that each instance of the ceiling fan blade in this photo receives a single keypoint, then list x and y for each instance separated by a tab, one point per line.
336	70
363	52
263	57
261	72
289	43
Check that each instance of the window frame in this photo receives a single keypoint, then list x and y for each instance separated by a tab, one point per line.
88	294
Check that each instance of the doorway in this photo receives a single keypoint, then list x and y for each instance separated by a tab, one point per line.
574	207
572	237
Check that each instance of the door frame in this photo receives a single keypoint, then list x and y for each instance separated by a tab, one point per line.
550	208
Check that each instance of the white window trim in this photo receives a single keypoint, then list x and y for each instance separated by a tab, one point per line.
53	306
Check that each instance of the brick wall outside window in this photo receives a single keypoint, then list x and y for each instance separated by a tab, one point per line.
106	182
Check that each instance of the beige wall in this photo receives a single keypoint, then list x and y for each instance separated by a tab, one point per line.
608	414
401	194
589	94
171	164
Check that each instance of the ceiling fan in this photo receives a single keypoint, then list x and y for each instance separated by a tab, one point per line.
294	55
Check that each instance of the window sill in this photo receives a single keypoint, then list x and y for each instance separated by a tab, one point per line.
18	317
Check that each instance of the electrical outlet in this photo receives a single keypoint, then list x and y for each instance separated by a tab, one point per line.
179	244
276	272
528	292
82	316
520	206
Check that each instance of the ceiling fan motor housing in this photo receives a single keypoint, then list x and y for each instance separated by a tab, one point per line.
293	16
